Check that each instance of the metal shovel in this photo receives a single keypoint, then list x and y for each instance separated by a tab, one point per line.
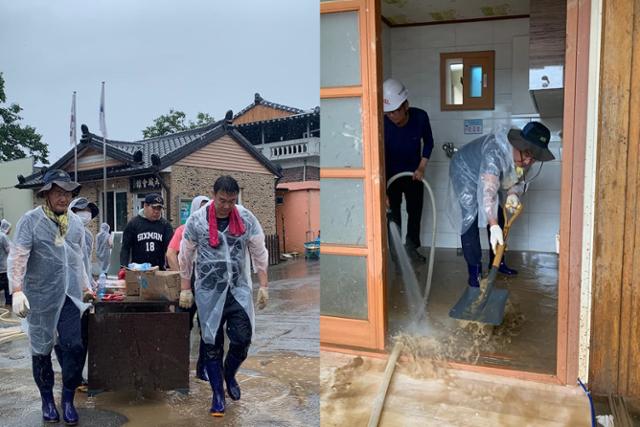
486	304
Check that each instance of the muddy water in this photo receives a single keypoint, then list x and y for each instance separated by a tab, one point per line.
348	386
527	338
279	380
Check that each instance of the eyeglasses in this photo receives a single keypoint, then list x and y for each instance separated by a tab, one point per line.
59	194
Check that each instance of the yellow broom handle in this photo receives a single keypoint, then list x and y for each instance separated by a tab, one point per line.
507	227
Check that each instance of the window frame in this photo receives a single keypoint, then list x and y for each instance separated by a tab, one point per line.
484	58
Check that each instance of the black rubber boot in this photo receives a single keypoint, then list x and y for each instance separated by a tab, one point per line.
475	274
69	413
214	372
231	366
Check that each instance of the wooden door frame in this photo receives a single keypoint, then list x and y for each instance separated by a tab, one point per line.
571	207
369	333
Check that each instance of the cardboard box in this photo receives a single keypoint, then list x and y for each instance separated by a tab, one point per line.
164	285
136	279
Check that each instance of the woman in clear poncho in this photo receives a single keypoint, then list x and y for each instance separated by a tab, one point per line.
223	239
103	247
478	172
48	277
87	211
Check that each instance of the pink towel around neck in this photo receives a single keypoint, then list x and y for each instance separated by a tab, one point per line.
236	226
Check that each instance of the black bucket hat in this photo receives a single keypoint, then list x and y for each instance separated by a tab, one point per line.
83	203
59	178
534	137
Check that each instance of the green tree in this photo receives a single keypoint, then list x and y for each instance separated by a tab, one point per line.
17	140
201	120
174	122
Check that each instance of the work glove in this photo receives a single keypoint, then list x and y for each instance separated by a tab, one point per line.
20	304
512	203
495	237
122	273
186	299
88	296
263	297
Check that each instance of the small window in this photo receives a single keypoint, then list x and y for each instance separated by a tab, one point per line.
466	80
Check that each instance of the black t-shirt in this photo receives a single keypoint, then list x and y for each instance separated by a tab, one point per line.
146	241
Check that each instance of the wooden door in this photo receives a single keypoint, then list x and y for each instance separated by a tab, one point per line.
351	178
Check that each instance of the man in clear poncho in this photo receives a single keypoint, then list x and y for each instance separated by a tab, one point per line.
103	247
48	278
223	238
478	172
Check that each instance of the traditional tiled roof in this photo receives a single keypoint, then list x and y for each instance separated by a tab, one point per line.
258	100
306	124
137	156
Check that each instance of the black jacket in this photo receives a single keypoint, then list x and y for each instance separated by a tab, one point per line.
145	241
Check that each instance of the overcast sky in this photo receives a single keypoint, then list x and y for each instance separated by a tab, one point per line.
154	55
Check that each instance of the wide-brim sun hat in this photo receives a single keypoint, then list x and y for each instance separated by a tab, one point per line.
534	137
61	179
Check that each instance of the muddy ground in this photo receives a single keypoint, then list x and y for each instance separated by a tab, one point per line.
279	380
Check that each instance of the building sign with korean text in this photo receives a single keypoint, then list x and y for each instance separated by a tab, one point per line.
145	183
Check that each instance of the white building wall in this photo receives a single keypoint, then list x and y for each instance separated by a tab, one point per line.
414	59
13	202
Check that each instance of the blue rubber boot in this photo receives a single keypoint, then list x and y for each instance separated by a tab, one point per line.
475	274
69	413
231	366
214	371
502	268
49	411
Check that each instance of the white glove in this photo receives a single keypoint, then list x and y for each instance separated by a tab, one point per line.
496	237
263	297
512	203
20	304
186	298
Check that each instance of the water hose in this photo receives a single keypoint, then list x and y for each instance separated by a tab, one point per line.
593	409
9	333
427	286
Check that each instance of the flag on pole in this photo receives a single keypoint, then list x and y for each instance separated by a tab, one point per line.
103	130
72	136
103	124
72	130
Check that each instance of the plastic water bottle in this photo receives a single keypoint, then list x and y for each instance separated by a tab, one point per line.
102	285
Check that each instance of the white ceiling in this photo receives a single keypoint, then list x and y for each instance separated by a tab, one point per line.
399	12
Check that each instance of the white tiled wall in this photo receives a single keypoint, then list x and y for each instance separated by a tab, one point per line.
413	55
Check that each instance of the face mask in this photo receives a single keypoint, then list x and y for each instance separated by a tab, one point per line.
85	217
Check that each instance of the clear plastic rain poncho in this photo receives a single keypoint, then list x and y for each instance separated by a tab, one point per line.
5	244
103	247
47	268
477	173
222	269
88	240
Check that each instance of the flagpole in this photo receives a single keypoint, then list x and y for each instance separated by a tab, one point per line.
74	139
103	128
